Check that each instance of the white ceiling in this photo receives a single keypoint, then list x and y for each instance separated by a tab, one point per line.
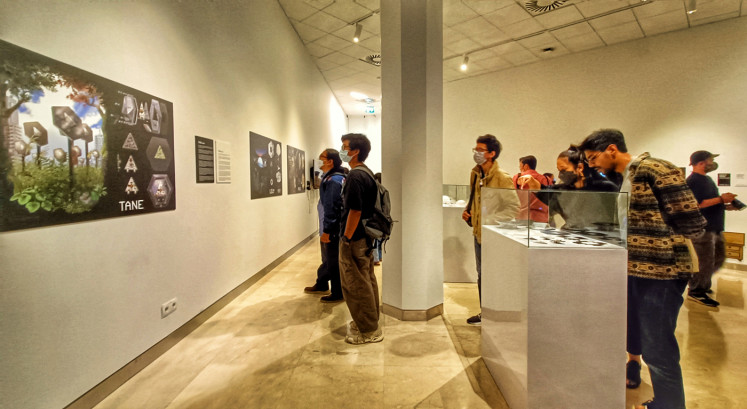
495	34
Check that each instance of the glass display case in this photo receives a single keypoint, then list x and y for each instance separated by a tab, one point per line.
554	287
455	195
556	218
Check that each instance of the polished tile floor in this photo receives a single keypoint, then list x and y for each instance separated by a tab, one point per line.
276	347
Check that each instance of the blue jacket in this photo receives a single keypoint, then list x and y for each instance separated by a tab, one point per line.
330	203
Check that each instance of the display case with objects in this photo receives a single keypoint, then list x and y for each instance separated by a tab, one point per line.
455	195
554	279
459	246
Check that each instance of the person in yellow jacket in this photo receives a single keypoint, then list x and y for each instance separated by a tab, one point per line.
487	173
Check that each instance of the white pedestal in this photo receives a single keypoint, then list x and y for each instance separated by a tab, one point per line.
554	322
459	248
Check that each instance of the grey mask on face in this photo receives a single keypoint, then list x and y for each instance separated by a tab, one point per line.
711	167
479	157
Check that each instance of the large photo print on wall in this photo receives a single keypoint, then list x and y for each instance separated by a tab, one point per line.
75	146
296	170
266	167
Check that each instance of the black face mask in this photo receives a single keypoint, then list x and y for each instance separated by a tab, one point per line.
567	177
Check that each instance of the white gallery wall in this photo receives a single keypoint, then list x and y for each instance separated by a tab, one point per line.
80	301
670	95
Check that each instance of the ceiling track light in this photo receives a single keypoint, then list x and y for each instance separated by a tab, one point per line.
691	6
465	60
358	30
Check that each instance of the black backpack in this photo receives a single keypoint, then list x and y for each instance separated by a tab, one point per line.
379	225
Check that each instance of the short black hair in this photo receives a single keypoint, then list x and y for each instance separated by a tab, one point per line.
574	156
334	156
529	160
360	142
599	140
492	143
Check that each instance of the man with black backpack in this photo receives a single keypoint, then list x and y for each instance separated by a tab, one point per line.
359	286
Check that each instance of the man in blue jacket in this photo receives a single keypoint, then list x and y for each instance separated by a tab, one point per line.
330	213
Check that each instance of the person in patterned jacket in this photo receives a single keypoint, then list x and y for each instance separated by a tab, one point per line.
662	214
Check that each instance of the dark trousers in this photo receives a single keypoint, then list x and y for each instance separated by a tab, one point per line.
478	263
653	306
359	286
711	252
329	270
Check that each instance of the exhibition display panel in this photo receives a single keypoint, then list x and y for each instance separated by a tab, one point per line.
554	297
459	247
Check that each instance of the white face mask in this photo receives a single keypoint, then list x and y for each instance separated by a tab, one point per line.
479	157
344	155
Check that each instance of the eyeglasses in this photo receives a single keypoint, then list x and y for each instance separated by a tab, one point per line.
592	157
479	150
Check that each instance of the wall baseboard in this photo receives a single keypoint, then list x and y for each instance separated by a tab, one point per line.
99	392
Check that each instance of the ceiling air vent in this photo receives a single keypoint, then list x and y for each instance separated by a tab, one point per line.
543	6
373	59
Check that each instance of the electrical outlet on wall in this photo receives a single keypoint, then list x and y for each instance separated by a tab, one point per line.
168	307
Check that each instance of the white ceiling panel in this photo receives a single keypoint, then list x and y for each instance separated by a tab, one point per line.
591	8
456	12
612	20
339	72
655	8
317	50
523	28
356	51
369	4
307	32
347	33
662	23
572	31
559	17
462	46
507	16
337	58
296	9
482	55
624	32
333	42
496	64
373	24
373	43
346	10
487	6
520	57
325	22
583	42
319	4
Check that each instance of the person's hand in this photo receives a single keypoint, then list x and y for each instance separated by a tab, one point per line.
325	238
731	207
528	181
728	197
466	215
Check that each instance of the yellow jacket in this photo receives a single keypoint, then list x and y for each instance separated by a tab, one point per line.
504	206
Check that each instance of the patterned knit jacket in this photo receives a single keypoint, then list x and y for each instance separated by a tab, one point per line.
662	212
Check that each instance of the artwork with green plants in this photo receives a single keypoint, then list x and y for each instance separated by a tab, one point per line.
77	147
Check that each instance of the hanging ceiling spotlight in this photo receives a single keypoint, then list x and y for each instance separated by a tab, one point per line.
691	6
358	30
465	60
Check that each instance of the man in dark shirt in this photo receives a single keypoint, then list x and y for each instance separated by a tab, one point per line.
710	247
359	286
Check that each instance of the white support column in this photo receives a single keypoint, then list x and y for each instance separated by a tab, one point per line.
412	144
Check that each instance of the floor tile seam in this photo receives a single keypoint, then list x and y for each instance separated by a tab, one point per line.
463	358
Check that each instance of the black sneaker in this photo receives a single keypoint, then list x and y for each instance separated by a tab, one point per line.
332	298
315	290
475	319
703	299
